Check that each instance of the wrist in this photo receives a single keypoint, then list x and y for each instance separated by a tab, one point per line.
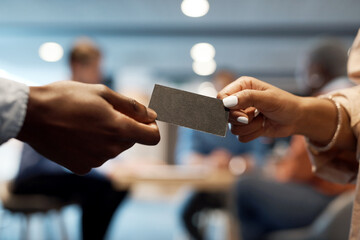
32	111
303	118
317	120
302	108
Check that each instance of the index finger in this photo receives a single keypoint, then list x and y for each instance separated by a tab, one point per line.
241	84
134	131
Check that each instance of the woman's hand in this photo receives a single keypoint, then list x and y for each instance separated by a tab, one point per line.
247	96
281	113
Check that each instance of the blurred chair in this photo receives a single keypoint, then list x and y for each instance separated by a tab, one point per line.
332	224
31	204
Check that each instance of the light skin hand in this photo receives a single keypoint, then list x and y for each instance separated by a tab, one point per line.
279	107
80	126
285	114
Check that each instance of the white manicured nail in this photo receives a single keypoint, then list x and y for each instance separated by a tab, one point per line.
256	113
230	101
243	120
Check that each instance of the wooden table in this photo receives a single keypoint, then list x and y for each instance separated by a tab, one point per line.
199	178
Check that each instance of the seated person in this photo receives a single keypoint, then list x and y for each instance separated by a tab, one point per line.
94	191
215	152
293	196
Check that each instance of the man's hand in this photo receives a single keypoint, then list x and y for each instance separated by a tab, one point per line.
80	126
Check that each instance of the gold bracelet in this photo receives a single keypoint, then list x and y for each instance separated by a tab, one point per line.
332	142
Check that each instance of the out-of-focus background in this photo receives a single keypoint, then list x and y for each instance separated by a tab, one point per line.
188	44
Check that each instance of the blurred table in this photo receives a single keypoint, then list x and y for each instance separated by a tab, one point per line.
197	177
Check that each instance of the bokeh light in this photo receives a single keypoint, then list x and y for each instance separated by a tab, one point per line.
204	68
195	8
51	52
202	52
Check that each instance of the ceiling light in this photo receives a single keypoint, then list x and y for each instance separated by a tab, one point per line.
51	52
195	8
204	68
202	52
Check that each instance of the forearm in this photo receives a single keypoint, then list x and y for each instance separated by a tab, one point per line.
318	121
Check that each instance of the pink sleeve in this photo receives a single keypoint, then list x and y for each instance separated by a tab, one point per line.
338	165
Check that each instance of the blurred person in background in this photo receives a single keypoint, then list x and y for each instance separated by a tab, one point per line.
94	192
293	196
201	149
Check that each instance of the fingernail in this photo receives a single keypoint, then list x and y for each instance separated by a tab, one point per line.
151	113
230	101
243	120
256	112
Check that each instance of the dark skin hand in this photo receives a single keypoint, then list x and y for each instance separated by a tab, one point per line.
80	126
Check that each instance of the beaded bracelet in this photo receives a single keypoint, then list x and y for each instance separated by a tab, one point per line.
332	142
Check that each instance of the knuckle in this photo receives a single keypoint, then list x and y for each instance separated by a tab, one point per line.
134	104
241	79
120	129
248	79
125	128
111	129
138	107
246	94
103	90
